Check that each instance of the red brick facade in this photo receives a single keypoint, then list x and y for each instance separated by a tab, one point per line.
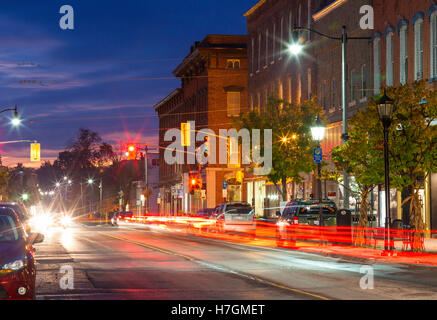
215	66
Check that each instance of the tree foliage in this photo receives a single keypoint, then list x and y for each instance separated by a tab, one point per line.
412	146
292	141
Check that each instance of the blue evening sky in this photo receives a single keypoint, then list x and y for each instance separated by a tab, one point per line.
104	75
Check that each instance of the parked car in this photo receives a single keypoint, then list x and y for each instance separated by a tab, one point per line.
125	216
21	212
303	213
204	213
17	262
235	216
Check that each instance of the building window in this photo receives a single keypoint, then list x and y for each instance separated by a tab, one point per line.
289	89
233	99
376	66
309	19
266	101
274	42
309	85
281	42
290	27
389	59
259	51
403	61
418	50
233	64
267	47
433	34
299	89
363	81
253	56
258	102
280	90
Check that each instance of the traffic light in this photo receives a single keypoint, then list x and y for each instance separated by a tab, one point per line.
131	152
206	144
195	184
185	134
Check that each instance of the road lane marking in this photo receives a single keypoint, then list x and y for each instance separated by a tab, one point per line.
258	279
149	246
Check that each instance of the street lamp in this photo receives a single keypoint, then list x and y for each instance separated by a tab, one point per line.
25	196
16	121
90	181
318	133
386	107
345	137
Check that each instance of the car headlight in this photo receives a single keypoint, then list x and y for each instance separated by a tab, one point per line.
13	266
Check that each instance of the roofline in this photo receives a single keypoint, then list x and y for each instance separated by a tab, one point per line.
326	10
254	8
167	98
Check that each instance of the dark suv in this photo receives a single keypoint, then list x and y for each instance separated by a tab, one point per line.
303	213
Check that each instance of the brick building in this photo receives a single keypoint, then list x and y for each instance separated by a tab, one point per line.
213	90
314	73
405	50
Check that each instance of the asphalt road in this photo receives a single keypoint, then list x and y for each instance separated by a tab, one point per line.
150	262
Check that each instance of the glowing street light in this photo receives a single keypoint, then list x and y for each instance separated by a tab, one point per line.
90	181
25	196
295	48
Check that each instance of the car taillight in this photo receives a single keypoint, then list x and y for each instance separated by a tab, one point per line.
295	220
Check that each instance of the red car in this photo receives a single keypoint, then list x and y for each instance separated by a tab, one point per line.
17	262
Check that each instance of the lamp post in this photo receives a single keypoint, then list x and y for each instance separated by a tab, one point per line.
385	107
16	121
296	48
318	133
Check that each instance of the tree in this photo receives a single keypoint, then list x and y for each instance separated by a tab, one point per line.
412	140
363	160
292	143
412	151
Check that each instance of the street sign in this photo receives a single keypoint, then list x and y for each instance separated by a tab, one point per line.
35	152
197	194
225	185
225	193
317	155
203	194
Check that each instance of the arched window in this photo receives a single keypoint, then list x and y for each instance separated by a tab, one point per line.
376	65
389	61
267	47
418	49
274	42
403	61
433	34
281	38
259	51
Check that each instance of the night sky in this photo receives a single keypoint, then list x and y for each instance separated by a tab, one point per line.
104	75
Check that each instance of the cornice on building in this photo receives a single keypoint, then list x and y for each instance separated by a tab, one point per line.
328	9
254	8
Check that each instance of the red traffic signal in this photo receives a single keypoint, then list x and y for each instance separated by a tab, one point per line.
131	152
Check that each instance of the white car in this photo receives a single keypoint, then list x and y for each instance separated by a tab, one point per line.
235	216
